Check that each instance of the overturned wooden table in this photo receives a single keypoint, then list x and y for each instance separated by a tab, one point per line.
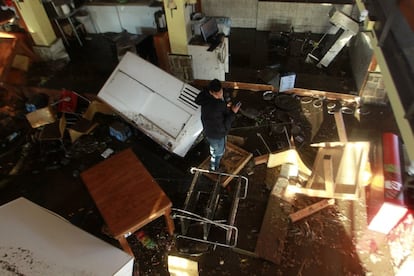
126	195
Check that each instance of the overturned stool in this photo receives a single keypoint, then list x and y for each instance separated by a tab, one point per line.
200	223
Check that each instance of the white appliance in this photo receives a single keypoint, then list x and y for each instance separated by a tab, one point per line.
155	102
208	65
36	241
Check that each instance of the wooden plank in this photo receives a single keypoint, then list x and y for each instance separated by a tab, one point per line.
340	126
297	91
237	85
234	159
348	163
288	156
311	209
237	140
328	174
322	193
262	159
273	232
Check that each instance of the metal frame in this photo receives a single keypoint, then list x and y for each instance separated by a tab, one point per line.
187	214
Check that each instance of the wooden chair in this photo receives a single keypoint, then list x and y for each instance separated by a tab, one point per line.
85	124
41	117
54	131
97	107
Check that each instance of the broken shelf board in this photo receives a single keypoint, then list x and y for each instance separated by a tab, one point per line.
262	159
234	159
348	165
307	211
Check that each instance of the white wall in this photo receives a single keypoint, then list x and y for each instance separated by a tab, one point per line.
134	19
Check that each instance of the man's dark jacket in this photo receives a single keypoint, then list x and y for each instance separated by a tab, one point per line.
216	117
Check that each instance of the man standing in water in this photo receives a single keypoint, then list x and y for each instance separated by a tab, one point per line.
216	117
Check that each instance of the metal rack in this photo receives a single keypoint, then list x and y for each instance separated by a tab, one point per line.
73	25
189	218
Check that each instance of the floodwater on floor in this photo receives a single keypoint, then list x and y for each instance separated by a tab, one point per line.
321	244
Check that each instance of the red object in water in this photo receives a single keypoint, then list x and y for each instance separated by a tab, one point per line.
392	208
68	101
392	168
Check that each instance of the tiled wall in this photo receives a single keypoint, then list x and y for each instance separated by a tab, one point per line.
303	17
275	16
243	13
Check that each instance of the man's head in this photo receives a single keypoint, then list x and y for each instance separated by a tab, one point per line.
215	89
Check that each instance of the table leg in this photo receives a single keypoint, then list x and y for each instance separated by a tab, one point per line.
169	221
124	244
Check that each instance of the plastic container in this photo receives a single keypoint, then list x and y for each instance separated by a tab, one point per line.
83	17
159	17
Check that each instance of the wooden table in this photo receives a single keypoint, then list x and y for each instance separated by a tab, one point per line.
126	195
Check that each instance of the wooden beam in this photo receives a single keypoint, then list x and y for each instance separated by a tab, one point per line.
311	209
238	85
237	140
340	126
267	87
262	159
328	175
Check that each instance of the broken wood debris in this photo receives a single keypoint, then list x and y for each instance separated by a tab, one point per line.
311	209
237	140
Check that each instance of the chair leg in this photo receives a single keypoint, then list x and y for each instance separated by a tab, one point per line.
63	146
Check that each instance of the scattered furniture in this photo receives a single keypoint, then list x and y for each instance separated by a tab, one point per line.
338	172
80	128
126	195
54	131
198	213
41	117
85	124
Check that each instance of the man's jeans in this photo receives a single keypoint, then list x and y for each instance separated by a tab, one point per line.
217	147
